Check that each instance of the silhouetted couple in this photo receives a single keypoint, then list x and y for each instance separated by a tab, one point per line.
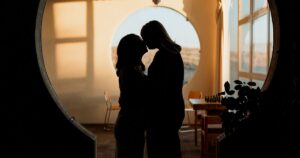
152	106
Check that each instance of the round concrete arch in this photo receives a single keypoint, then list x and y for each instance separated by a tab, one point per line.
184	33
276	40
34	125
39	47
40	58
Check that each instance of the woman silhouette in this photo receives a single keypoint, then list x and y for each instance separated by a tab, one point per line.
130	124
165	111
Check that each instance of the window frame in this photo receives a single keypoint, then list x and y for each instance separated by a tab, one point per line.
250	19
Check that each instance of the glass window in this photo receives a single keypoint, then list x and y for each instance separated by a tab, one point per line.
233	36
244	9
244	47
260	45
254	43
259	4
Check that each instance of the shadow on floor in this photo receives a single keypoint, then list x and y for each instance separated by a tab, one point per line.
106	143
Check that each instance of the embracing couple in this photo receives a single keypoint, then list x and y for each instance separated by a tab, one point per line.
152	105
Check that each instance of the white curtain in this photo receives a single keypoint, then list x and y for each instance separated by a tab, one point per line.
223	16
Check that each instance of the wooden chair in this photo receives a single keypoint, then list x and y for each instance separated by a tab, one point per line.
212	128
109	108
188	109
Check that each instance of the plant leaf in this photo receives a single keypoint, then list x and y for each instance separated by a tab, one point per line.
258	89
251	83
231	92
238	87
227	86
238	82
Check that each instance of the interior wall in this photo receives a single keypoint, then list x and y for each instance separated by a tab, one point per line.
202	15
81	94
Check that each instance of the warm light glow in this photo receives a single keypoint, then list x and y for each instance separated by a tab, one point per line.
77	41
71	60
225	42
70	19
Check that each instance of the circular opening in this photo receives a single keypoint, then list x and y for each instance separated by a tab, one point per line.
41	19
50	41
179	28
61	50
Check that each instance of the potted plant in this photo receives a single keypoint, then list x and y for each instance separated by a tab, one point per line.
242	105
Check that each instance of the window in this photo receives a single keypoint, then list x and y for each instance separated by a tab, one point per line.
251	40
178	27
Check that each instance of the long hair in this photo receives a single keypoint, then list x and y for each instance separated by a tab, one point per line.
156	32
127	52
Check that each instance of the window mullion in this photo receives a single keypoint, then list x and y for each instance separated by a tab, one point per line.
257	76
244	20
251	39
245	74
260	13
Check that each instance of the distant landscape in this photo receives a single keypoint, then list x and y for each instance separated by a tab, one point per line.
259	61
190	58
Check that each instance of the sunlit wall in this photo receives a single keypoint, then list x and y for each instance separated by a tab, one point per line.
76	41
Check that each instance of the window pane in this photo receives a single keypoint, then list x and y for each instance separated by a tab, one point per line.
244	47
260	45
259	4
233	26
244	9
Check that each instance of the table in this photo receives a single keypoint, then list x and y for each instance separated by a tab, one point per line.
201	104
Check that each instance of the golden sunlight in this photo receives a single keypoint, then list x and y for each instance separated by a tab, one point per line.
71	60
70	19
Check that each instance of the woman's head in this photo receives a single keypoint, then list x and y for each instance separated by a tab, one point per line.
130	51
156	36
